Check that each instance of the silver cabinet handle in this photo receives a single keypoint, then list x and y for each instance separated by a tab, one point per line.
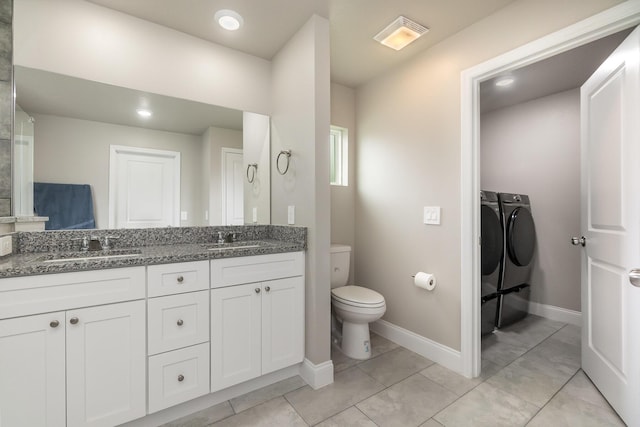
267	288
73	320
575	241
634	277
180	322
180	279
180	377
257	290
54	323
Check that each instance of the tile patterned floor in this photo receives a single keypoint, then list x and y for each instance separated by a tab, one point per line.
531	376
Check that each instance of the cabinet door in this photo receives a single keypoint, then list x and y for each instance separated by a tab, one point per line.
32	371
106	364
282	323
235	335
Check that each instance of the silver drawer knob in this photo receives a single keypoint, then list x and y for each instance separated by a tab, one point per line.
180	279
180	377
73	320
257	290
180	322
54	323
268	288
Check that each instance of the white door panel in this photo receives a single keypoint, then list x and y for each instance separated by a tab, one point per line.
144	188
610	107
233	176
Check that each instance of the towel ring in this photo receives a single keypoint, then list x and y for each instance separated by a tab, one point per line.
253	167
286	153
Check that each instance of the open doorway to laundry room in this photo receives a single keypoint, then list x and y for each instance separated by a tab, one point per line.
598	27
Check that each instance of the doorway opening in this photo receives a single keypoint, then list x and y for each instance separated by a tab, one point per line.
599	26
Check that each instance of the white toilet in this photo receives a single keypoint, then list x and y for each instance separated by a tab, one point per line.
353	306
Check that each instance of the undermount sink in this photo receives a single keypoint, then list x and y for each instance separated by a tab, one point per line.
90	255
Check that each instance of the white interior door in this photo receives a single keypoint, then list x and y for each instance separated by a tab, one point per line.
610	112
144	188
233	176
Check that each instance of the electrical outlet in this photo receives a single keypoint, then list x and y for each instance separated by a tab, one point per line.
255	215
6	245
183	215
432	215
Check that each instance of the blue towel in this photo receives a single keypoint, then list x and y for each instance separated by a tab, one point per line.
68	206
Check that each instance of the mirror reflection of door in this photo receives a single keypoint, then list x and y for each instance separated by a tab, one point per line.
144	187
232	187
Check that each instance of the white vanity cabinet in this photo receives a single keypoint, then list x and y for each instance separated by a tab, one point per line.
257	316
178	333
80	365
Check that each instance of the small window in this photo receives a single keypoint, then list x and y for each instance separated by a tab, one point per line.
338	152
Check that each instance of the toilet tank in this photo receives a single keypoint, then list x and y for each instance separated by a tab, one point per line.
340	258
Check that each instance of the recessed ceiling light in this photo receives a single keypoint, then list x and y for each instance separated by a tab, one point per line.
400	33
504	81
229	19
144	113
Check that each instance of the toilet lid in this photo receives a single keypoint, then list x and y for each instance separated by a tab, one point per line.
358	296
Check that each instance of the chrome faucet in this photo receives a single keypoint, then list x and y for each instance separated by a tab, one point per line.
221	238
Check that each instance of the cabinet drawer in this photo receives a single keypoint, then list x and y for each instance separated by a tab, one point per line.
167	279
178	376
234	271
178	321
21	296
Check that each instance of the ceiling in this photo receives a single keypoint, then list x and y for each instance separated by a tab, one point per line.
268	24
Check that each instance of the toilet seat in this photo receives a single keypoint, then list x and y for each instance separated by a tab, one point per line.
357	296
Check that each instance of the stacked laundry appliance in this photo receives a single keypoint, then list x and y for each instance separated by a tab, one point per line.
507	249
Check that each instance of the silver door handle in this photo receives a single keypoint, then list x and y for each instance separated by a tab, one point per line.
579	241
634	277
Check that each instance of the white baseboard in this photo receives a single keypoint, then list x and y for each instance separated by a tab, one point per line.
441	354
317	376
556	313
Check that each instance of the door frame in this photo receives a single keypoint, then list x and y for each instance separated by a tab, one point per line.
610	21
223	178
115	150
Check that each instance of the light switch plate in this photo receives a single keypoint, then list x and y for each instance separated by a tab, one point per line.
432	215
183	215
291	215
255	214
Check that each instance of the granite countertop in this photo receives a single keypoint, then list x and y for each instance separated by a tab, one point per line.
34	263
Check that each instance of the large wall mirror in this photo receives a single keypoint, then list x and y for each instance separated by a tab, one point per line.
183	163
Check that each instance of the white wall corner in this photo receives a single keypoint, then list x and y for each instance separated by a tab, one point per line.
441	354
317	376
558	314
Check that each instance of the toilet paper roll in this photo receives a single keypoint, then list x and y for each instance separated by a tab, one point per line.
425	281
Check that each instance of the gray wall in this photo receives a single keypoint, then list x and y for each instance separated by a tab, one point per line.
73	151
534	148
300	122
6	104
409	155
343	114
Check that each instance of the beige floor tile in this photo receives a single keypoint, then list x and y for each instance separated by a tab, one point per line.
487	406
569	334
531	330
581	387
351	417
340	360
530	380
380	345
567	411
205	417
559	356
431	423
502	350
455	382
394	366
276	412
265	394
407	403
349	387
